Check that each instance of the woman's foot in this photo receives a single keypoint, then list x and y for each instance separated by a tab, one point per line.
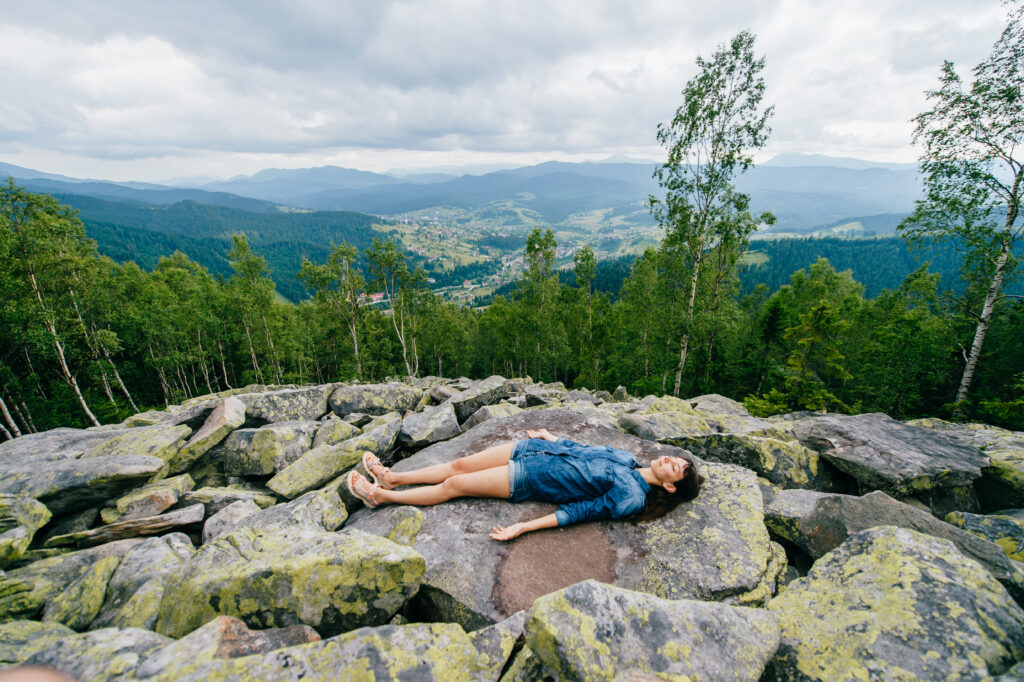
362	489
374	470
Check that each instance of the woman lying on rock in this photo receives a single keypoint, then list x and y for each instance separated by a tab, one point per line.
589	482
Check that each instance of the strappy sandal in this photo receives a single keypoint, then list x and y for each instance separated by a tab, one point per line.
366	465
353	489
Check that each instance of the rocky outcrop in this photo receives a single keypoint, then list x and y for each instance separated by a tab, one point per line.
286	556
891	603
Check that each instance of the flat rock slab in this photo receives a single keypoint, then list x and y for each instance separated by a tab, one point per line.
151	525
429	426
592	631
375	399
891	603
884	454
715	548
333	582
292	404
216	498
20	518
420	651
151	499
485	392
154	441
495	411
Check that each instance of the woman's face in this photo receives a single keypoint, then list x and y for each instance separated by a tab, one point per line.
669	469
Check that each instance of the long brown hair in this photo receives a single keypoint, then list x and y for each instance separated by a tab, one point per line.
660	501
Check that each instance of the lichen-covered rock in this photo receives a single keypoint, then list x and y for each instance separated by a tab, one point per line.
77	604
715	547
20	518
485	392
263	451
401	524
420	651
215	498
592	631
495	643
225	418
1001	485
333	582
100	655
320	465
318	509
222	638
495	411
375	399
715	404
20	639
891	603
819	524
536	395
191	413
429	426
146	564
25	591
786	463
150	525
669	427
228	518
333	431
293	404
1005	528
154	441
149	500
884	454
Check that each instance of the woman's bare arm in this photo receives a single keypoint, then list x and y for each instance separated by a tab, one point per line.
517	529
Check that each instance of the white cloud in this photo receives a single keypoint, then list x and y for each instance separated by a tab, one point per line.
118	89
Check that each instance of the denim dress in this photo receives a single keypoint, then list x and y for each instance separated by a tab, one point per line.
589	482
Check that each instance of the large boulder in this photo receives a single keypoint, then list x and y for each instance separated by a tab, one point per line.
53	467
333	582
25	591
429	426
666	420
155	441
149	525
495	411
19	639
332	431
78	604
147	563
891	603
225	418
228	518
901	460
375	399
291	404
215	498
318	466
818	522
485	392
266	450
100	655
20	518
592	631
420	651
715	548
318	509
149	500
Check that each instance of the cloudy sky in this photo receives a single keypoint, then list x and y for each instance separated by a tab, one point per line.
131	90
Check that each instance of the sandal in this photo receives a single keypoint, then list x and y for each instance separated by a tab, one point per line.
366	498
366	466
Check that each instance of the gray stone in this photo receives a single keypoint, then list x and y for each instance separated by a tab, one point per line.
485	392
318	509
620	395
266	450
592	631
495	411
714	548
228	518
891	603
147	562
715	404
149	500
1005	528
429	426
20	639
20	518
292	404
150	525
495	643
225	418
334	431
216	498
375	399
884	454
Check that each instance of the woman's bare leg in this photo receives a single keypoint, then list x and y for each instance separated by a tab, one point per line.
494	456
491	482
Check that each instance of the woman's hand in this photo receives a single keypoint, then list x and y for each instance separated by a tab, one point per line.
504	533
541	433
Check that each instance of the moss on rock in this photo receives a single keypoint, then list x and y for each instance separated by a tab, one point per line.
20	517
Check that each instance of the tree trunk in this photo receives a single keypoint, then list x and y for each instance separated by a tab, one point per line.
9	419
7	434
685	344
106	387
163	378
252	352
27	418
275	361
355	348
223	368
39	384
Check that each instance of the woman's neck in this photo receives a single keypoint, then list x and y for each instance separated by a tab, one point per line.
649	476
